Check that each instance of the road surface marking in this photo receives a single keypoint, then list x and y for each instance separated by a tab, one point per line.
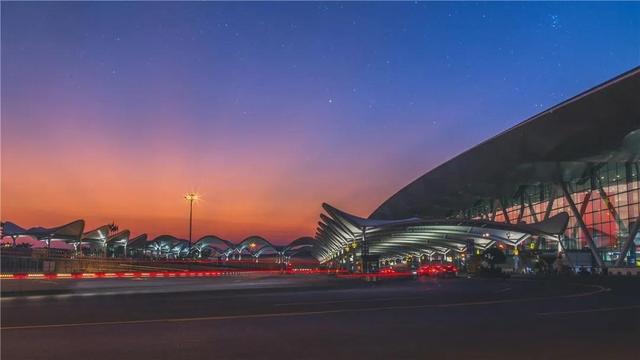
599	289
589	310
351	300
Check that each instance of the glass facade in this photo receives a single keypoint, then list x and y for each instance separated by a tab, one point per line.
609	201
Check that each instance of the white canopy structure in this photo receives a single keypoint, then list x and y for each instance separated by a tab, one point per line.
70	232
341	232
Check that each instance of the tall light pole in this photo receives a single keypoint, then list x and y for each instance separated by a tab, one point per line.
191	197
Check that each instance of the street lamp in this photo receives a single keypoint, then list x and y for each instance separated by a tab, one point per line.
191	197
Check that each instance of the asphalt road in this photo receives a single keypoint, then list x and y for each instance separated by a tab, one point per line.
313	317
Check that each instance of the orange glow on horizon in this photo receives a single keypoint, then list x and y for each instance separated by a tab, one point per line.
261	190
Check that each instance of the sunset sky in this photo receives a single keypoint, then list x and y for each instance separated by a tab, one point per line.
112	111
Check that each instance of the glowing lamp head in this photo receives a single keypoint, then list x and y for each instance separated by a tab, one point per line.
191	196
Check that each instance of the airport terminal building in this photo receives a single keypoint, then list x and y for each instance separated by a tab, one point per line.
566	180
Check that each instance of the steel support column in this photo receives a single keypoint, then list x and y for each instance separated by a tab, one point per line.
583	209
493	210
532	211
552	198
612	210
560	238
521	212
633	231
585	203
364	251
504	212
582	225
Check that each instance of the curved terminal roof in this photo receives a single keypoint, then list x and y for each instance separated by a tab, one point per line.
98	235
70	232
562	143
417	236
301	242
121	238
73	233
255	245
220	245
169	244
138	242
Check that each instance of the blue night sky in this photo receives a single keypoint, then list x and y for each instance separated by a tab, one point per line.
269	109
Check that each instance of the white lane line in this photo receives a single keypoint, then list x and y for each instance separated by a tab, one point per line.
66	296
502	290
161	290
351	300
596	310
599	289
144	291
